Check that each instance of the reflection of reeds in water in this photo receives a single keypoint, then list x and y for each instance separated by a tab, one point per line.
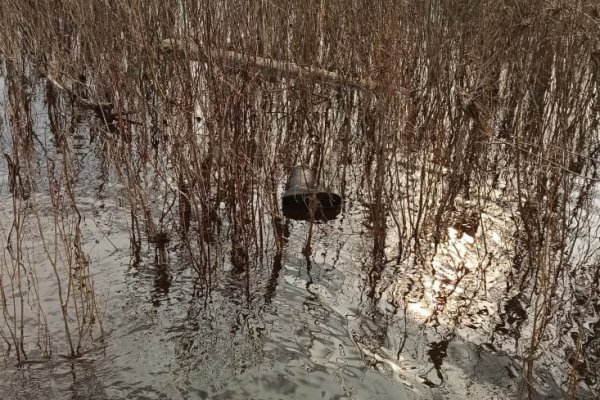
42	229
480	103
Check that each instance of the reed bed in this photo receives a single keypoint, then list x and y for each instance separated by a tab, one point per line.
435	110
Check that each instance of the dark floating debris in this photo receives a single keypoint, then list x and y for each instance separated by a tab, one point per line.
303	201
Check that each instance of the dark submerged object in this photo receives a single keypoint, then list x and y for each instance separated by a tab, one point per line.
302	200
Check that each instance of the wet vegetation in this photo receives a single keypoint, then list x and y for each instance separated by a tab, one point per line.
462	136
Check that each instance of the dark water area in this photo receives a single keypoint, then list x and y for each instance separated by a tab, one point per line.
330	325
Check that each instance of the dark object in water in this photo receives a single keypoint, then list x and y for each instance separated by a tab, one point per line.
302	201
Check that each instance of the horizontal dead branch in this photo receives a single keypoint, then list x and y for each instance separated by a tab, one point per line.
103	110
68	85
266	66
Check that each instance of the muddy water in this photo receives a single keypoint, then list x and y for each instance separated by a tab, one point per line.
296	327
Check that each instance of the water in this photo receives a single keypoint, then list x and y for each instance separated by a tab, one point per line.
164	339
331	325
306	330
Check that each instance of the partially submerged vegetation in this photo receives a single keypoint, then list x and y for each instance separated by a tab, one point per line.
431	114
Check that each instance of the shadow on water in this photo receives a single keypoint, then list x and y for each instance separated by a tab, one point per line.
437	352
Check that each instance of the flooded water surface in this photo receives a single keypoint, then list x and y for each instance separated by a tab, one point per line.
329	323
439	239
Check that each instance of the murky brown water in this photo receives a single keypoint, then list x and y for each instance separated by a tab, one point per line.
333	325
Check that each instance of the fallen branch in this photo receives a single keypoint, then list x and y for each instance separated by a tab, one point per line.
100	108
266	66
